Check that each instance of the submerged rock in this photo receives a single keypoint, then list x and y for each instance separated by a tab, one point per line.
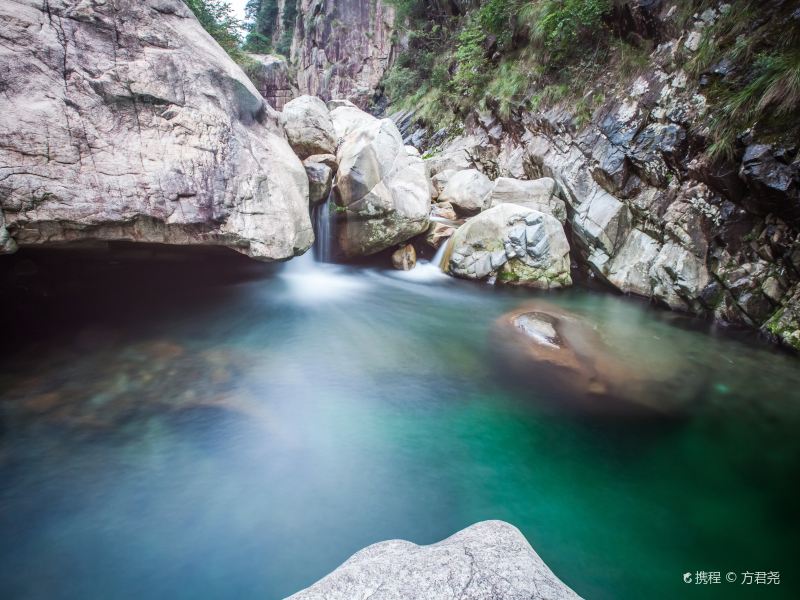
489	560
126	121
558	352
519	245
383	187
309	127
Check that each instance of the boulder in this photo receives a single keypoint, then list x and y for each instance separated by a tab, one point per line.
126	121
383	188
516	244
320	179
468	191
404	258
309	127
538	194
440	180
325	159
489	560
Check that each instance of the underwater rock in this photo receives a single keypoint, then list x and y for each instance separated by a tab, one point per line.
553	350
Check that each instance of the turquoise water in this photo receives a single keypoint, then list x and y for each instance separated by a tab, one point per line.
175	432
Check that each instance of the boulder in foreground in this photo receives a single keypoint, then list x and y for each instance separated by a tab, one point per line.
490	560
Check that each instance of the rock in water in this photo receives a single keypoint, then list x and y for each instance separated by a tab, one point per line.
491	560
383	187
404	258
557	352
518	245
309	127
125	120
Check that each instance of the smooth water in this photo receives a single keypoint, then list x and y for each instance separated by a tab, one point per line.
170	432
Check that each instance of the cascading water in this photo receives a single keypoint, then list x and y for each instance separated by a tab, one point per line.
323	230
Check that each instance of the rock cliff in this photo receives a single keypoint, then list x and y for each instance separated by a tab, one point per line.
339	49
650	214
126	121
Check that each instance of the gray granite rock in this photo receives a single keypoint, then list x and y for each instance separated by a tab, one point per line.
491	560
125	120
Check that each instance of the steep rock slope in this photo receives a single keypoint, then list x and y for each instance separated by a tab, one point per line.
126	121
651	213
343	47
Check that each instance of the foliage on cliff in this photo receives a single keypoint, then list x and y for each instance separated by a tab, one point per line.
264	21
514	55
216	17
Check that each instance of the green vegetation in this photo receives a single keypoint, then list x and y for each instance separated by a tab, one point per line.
216	17
263	18
504	55
509	56
760	87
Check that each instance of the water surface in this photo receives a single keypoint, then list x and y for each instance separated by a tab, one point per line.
173	431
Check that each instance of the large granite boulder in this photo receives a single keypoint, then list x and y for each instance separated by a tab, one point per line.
538	194
126	121
309	126
515	244
489	560
383	187
468	191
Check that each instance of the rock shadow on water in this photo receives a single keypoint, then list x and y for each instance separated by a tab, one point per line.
563	361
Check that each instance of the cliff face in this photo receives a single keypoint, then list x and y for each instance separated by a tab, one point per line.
649	212
342	48
126	121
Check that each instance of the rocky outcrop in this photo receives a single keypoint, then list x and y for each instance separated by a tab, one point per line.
126	121
539	194
467	191
271	76
342	48
491	559
648	212
309	127
514	244
383	187
320	180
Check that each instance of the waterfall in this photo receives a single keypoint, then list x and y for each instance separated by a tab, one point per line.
438	258
323	230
